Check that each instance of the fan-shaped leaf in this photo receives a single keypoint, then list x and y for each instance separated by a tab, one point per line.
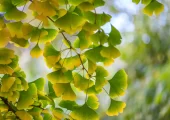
118	84
115	108
36	51
84	113
23	115
92	102
69	105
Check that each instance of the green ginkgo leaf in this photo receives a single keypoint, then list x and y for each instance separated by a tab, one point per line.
14	98
15	14
101	73
58	113
60	77
5	37
7	83
64	90
6	55
146	1
86	6
40	82
153	7
51	55
20	42
5	5
19	2
118	84
23	115
91	67
115	108
84	113
27	30
15	29
71	63
76	2
114	37
84	42
110	52
69	105
28	97
92	102
36	51
70	22
35	112
5	69
81	82
52	33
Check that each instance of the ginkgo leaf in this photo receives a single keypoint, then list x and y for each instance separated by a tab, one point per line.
91	67
23	115
101	73
86	6
4	69
15	29
44	8
2	24
60	77
27	30
70	22
69	105
153	7
7	83
36	51
76	2
110	52
6	55
51	92
58	113
20	42
52	33
118	84
27	97
114	37
115	108
14	98
40	82
19	2
72	62
146	1
5	37
5	5
38	34
64	90
51	55
99	38
3	108
81	82
36	113
98	3
136	1
84	42
84	113
92	102
14	14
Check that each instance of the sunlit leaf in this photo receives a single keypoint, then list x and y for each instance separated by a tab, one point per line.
36	51
118	84
27	97
84	113
91	67
6	55
115	108
81	82
92	102
15	14
23	115
7	82
110	52
51	55
64	90
4	69
114	37
58	113
101	73
153	7
69	105
60	77
70	22
40	82
20	42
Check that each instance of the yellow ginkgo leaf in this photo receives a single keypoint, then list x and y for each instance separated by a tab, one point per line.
36	51
5	37
23	115
7	83
153	7
115	108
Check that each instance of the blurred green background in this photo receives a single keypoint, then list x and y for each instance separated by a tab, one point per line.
145	56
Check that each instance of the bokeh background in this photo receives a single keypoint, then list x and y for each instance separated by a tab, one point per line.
145	56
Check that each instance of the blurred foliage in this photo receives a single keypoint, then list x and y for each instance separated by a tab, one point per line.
148	64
